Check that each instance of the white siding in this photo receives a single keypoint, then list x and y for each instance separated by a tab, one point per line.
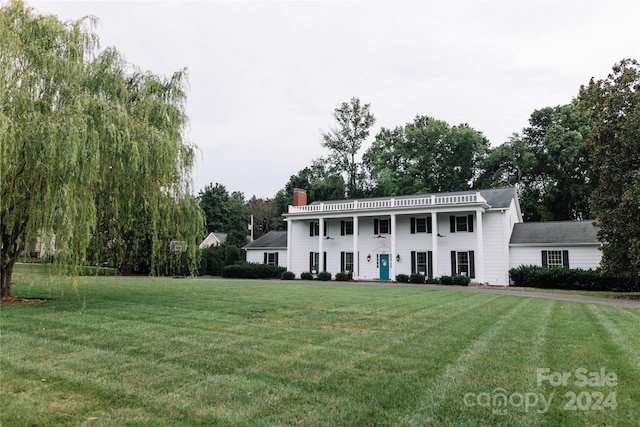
495	242
257	256
585	256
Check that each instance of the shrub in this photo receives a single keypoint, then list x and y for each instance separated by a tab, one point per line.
570	279
402	278
432	281
416	278
446	280
246	270
288	275
324	276
306	276
343	276
461	280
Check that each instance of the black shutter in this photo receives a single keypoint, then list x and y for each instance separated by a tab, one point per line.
565	259
429	225
276	255
413	226
324	261
342	228
472	265
453	263
311	228
452	223
265	258
545	264
325	229
413	262
375	226
430	264
470	223
341	261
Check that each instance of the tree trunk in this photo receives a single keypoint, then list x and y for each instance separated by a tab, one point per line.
9	254
7	272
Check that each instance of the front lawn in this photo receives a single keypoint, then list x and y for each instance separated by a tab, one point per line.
113	351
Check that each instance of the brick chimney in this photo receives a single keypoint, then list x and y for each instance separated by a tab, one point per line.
299	197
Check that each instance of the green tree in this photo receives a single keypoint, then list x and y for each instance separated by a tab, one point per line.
73	126
614	106
226	213
214	203
427	155
264	213
319	182
548	163
353	121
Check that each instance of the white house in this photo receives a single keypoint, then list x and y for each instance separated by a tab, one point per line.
475	233
213	239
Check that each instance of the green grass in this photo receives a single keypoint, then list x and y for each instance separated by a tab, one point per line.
113	351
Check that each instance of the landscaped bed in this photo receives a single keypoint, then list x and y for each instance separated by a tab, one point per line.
159	351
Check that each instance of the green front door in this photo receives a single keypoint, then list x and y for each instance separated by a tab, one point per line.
384	266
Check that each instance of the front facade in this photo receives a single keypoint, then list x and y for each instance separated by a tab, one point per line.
442	234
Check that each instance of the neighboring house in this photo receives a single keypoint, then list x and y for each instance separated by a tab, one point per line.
476	233
572	244
271	248
213	239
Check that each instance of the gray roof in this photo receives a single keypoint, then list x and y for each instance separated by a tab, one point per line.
555	232
496	198
273	240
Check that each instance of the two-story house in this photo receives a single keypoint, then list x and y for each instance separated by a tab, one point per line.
435	234
476	233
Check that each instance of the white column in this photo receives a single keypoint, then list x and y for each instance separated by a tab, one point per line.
392	256
434	242
321	266
289	244
479	259
356	258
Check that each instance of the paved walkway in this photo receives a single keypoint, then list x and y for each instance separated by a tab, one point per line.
615	302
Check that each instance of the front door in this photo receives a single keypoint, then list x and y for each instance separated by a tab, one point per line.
384	266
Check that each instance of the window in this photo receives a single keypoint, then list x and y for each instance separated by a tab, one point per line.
271	258
381	226
346	262
421	225
463	262
555	258
461	223
314	228
314	261
422	262
346	227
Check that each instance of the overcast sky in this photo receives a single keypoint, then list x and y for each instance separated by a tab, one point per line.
265	76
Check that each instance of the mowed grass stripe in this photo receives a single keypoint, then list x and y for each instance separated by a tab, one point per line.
452	375
212	352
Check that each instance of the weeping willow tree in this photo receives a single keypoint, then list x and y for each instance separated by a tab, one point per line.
93	154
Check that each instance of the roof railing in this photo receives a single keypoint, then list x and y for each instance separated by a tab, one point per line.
404	202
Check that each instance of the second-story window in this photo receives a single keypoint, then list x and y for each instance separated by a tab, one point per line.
421	225
314	228
381	226
461	223
346	228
